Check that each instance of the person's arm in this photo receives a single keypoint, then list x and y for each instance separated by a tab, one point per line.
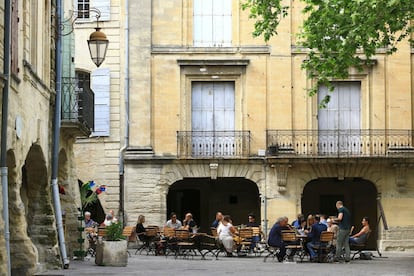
360	233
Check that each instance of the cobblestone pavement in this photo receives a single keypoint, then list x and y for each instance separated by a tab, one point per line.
390	263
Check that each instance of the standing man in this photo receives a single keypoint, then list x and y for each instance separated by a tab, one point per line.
344	223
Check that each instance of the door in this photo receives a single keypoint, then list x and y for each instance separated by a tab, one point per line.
212	112
339	122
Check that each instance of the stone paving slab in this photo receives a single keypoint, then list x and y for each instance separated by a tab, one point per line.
391	263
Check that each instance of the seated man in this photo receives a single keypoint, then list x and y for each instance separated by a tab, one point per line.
275	236
252	223
314	235
189	223
361	236
173	222
216	222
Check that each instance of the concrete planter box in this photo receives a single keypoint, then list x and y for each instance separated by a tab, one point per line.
111	253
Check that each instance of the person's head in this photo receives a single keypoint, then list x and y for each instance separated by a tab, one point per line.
109	217
282	221
219	216
300	217
323	217
310	220
317	218
226	219
141	219
173	217
252	218
329	222
339	204
112	213
188	216
365	221
87	215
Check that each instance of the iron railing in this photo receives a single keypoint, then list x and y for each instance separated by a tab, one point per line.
352	143
77	103
207	144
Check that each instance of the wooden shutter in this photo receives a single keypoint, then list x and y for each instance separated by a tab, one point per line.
14	49
104	6
100	84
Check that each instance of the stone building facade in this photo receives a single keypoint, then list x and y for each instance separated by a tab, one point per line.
34	243
220	121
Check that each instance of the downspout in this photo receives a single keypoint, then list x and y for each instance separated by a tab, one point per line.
4	117
56	135
126	92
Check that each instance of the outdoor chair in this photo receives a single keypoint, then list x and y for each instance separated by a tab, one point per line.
359	247
324	247
185	245
294	246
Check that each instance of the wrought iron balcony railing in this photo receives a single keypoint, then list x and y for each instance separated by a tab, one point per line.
206	144
77	104
341	143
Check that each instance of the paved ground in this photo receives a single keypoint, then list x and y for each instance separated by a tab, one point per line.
391	263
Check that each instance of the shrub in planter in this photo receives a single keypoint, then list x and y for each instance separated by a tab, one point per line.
112	249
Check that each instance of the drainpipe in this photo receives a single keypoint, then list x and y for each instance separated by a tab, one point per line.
4	116
56	135
126	92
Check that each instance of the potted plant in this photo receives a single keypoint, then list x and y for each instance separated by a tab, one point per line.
112	249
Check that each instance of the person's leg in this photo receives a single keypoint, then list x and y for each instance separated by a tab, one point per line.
347	249
312	252
340	242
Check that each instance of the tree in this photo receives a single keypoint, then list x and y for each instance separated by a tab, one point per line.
339	34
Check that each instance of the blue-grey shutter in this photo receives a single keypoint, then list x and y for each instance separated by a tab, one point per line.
100	84
104	6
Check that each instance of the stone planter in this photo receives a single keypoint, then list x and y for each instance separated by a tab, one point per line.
111	253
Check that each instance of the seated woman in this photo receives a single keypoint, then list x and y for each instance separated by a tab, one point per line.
225	232
361	236
140	230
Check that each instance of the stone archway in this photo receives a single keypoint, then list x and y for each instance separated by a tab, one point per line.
359	196
203	197
35	217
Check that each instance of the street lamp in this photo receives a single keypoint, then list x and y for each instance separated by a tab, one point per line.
98	44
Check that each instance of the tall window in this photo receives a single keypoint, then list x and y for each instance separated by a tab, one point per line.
212	23
14	38
83	8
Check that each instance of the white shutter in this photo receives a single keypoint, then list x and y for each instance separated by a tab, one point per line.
104	6
100	85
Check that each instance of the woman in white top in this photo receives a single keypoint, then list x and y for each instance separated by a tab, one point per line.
225	232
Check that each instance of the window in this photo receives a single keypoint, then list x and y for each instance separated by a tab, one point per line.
85	9
212	26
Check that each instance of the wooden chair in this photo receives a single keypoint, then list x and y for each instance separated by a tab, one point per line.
129	233
324	246
185	245
101	231
244	240
293	245
207	244
214	232
359	247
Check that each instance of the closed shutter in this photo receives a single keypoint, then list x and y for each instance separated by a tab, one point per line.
100	84
104	6
14	49
339	122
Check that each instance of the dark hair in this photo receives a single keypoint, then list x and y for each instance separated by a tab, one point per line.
227	218
172	214
366	219
317	218
251	215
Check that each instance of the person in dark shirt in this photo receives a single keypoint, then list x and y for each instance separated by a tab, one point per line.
189	223
252	223
140	229
344	223
275	236
314	236
216	222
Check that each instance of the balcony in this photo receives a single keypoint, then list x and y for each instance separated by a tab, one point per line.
339	143
77	118
213	144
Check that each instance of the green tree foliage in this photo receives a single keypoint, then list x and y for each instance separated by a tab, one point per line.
339	34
